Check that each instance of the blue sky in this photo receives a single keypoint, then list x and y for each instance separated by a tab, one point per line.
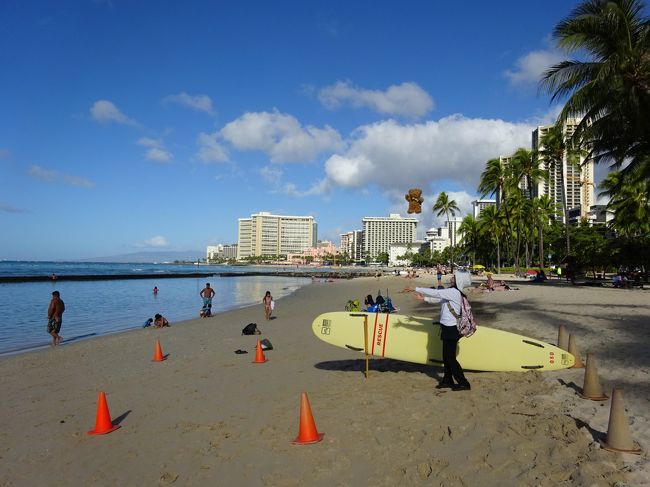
128	126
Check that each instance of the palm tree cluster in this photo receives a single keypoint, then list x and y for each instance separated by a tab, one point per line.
609	91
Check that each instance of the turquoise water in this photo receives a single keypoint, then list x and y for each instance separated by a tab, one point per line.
95	308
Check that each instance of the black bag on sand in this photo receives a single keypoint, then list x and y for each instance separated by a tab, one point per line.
266	344
250	329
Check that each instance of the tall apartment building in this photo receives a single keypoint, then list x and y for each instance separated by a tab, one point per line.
267	234
578	180
380	232
455	236
479	205
352	244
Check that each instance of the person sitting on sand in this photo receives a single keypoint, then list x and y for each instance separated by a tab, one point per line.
490	282
369	301
160	321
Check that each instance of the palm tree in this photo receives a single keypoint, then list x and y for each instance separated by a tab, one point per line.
610	90
469	228
445	205
630	204
525	166
545	210
491	222
555	149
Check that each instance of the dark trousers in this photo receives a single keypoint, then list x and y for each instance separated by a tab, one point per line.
450	337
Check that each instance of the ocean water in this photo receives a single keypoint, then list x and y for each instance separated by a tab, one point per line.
95	308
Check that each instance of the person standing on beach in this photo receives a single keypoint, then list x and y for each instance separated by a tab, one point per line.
267	301
450	299
55	317
207	293
439	274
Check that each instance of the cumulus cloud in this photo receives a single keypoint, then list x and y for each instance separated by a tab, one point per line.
55	177
156	150
321	187
199	103
210	150
7	208
155	242
406	99
455	148
529	69
280	136
104	111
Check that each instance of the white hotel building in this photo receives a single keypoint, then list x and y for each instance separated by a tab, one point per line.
380	232
267	234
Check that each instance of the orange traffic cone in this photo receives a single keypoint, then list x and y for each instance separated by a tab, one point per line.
618	431
573	350
307	433
103	423
562	338
157	354
591	388
259	354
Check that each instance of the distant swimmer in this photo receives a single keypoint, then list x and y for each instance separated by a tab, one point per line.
55	317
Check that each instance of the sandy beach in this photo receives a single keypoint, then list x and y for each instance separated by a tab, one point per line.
208	416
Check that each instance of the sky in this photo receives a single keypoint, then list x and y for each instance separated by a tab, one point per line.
128	126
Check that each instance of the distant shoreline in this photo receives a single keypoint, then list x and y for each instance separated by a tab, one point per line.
113	277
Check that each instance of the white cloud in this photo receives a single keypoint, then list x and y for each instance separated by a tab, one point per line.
529	69
280	136
52	176
210	150
455	148
157	242
406	99
199	103
157	151
104	111
321	187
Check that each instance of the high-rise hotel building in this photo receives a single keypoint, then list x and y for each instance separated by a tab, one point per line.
267	234
578	179
380	232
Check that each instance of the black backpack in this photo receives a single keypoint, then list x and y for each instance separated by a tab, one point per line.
250	329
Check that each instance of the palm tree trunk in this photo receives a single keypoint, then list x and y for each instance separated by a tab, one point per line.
498	257
565	210
541	246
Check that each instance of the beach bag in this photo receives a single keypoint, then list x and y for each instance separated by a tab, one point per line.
250	329
465	322
266	344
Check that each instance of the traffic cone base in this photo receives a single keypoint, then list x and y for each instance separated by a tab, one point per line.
103	423
308	433
605	446
158	355
259	354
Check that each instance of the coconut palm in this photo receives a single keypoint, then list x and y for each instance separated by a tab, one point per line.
610	89
444	205
546	209
470	230
555	148
525	167
629	202
492	224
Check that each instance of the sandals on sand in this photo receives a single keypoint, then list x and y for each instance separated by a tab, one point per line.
239	351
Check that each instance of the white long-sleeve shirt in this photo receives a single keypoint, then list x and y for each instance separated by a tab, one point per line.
449	295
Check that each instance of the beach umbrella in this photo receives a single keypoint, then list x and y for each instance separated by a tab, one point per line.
478	266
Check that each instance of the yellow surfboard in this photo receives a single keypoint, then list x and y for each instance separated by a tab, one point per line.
417	339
